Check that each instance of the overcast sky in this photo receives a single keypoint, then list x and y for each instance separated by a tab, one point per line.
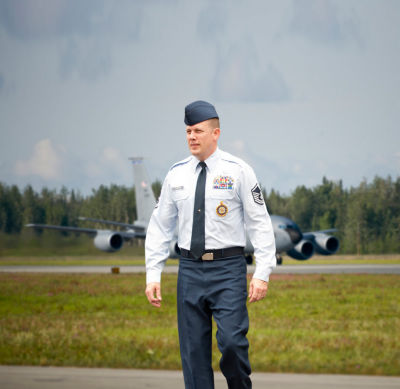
304	88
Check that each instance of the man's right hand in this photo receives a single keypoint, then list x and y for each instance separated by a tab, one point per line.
153	293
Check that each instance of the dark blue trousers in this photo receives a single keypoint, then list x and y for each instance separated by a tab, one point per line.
219	289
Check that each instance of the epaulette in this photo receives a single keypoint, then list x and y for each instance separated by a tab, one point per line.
232	159
183	162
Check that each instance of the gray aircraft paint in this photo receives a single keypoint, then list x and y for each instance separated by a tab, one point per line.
145	199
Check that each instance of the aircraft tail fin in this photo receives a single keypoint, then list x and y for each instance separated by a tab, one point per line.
145	200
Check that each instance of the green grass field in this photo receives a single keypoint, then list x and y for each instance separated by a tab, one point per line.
345	324
84	260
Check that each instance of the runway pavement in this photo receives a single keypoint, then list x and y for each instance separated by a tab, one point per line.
29	377
286	269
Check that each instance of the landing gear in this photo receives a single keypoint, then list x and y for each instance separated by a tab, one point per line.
278	259
249	259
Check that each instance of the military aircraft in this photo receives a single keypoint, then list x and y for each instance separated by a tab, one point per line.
288	236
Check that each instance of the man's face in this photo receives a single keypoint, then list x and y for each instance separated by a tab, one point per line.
202	139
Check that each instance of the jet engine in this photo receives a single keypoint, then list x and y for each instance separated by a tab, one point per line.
325	244
108	241
302	251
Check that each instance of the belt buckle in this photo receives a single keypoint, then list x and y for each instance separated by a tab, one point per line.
208	257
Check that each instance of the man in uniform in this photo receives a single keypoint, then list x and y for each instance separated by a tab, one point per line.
213	198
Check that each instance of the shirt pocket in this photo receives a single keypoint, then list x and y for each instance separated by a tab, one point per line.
179	194
222	203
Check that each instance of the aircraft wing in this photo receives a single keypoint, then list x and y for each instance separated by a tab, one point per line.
313	233
90	231
113	223
127	235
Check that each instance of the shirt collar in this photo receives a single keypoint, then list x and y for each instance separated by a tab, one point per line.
211	161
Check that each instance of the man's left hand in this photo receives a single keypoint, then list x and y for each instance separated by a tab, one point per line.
257	290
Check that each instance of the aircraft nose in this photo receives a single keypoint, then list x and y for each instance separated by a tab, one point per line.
294	233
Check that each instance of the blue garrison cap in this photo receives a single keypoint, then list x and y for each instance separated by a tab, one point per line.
198	111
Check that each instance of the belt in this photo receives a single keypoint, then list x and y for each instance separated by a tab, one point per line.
210	255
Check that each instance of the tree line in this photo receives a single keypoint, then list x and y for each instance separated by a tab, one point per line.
367	217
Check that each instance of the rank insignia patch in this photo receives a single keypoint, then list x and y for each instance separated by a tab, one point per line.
222	209
257	195
223	182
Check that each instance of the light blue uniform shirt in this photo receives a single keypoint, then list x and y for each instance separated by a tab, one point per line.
233	206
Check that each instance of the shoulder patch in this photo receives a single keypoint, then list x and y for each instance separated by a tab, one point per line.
257	195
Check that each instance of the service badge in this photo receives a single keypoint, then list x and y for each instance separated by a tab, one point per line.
223	182
222	209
